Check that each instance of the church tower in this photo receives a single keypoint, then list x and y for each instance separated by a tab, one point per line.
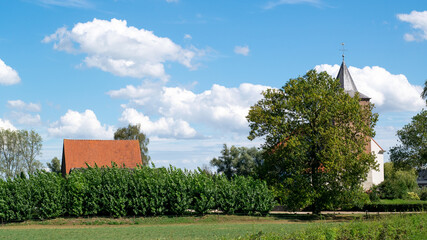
347	83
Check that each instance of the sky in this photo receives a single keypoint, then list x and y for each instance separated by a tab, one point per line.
188	71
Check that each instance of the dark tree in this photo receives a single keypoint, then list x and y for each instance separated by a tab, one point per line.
133	132
54	165
224	163
240	161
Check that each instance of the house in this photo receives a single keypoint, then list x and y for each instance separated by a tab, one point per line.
347	83
77	153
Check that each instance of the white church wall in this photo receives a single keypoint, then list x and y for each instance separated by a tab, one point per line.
378	176
375	176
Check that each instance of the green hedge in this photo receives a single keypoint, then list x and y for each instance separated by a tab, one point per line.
118	192
387	207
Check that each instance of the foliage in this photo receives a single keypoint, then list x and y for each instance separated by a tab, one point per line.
397	183
119	192
239	161
413	196
412	153
393	207
47	195
54	165
133	132
424	92
422	192
40	196
314	139
203	190
18	152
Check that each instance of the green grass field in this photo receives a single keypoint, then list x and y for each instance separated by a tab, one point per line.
190	227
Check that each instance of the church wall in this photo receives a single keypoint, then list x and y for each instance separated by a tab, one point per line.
378	176
375	176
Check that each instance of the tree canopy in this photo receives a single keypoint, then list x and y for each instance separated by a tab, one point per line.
315	138
239	161
133	132
54	165
18	152
412	151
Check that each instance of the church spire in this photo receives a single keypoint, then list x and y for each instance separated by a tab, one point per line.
345	78
347	82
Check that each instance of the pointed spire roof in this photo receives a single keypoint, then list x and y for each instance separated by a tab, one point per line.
347	82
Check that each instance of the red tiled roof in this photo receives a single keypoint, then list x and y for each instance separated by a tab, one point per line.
76	153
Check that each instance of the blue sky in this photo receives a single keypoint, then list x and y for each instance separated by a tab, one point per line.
188	71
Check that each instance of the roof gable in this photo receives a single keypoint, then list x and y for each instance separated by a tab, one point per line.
76	153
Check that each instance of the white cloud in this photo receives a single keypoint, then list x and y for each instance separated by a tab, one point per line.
5	124
8	75
242	50
21	105
418	21
220	108
389	92
122	50
274	4
187	36
26	118
80	125
163	127
66	3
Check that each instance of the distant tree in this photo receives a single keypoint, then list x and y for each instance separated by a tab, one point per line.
10	157
248	162
412	151
315	138
18	152
206	169
133	132
224	163
240	161
31	145
54	165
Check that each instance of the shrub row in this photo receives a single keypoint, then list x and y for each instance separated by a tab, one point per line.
121	192
392	207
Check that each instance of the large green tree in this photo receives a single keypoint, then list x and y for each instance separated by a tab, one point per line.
315	137
133	132
412	151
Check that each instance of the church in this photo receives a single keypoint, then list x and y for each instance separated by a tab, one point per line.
347	83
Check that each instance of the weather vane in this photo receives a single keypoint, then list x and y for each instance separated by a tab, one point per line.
343	50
